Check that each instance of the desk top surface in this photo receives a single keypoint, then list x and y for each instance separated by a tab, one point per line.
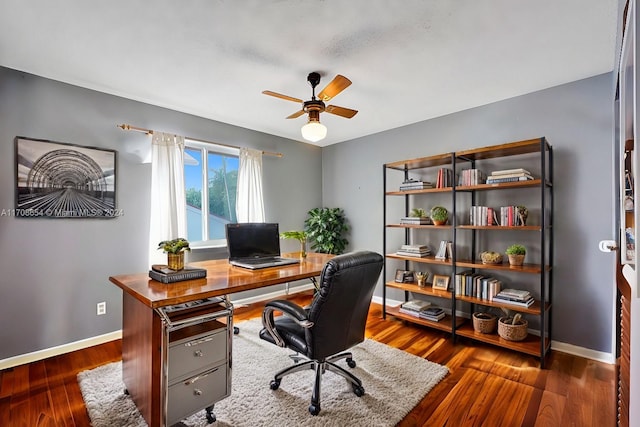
222	279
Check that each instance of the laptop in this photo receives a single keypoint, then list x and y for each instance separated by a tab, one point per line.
255	245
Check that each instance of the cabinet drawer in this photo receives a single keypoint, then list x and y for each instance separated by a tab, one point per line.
193	354
194	394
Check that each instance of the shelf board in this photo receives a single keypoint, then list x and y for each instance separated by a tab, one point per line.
422	191
421	162
445	324
428	226
426	290
501	185
500	227
426	260
530	345
530	146
525	268
535	308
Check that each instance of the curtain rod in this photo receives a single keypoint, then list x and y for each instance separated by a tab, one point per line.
150	132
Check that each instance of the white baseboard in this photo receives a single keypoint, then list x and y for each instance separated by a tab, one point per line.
115	335
61	349
555	345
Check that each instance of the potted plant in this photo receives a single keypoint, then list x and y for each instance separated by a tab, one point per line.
326	227
175	250
439	215
516	254
300	236
418	213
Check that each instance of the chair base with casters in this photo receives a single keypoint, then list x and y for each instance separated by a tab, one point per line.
320	368
322	333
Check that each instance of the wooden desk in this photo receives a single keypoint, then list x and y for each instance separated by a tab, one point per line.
143	342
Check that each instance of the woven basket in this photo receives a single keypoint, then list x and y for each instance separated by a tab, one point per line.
511	332
485	323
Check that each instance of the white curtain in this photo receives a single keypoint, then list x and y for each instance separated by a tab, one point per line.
249	201
168	205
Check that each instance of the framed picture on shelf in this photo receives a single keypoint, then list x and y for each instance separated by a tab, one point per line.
440	282
404	276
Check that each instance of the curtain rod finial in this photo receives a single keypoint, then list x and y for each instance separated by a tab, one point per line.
124	127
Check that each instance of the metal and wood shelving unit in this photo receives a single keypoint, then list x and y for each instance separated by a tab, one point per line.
465	238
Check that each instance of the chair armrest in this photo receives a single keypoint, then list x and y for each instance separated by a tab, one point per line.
289	309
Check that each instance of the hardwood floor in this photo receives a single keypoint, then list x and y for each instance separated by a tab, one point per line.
487	386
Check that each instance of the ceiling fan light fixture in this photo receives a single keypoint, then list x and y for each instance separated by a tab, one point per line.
314	131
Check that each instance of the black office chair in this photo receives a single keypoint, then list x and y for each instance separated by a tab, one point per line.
334	322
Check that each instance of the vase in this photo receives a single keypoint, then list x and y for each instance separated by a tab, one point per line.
516	260
303	249
437	222
175	261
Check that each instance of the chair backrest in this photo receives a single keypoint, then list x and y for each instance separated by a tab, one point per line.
339	309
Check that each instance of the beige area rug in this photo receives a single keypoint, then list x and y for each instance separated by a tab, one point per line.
394	382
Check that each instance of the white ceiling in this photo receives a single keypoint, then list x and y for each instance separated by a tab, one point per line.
409	60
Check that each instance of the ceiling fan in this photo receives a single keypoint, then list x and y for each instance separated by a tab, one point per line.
314	130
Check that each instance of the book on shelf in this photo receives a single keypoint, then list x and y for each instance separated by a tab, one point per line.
515	293
510	216
472	177
520	303
414	250
412	184
164	274
425	220
498	179
432	313
445	250
445	178
510	171
415	305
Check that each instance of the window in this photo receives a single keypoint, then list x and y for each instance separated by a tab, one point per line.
210	180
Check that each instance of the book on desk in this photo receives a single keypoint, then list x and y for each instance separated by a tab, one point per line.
164	274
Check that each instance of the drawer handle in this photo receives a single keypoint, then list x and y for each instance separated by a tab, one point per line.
197	392
198	342
197	353
199	377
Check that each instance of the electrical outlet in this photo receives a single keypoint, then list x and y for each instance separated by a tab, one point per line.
101	308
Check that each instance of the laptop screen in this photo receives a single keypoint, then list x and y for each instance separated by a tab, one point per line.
253	240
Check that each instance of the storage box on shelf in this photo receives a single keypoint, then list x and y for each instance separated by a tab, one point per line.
537	155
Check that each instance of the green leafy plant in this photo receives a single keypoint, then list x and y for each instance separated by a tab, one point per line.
174	246
439	213
516	250
300	236
325	228
418	213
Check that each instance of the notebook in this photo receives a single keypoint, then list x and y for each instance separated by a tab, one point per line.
255	245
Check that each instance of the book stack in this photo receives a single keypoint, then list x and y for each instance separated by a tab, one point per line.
414	307
425	220
419	251
433	314
412	184
514	297
163	274
509	175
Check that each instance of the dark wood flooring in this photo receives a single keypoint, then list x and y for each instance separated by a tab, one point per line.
487	386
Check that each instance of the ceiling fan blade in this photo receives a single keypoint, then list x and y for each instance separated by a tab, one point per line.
335	86
281	96
296	114
341	111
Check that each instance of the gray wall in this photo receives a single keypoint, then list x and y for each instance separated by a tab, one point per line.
577	120
55	271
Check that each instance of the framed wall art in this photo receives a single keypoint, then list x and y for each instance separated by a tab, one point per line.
59	180
440	282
